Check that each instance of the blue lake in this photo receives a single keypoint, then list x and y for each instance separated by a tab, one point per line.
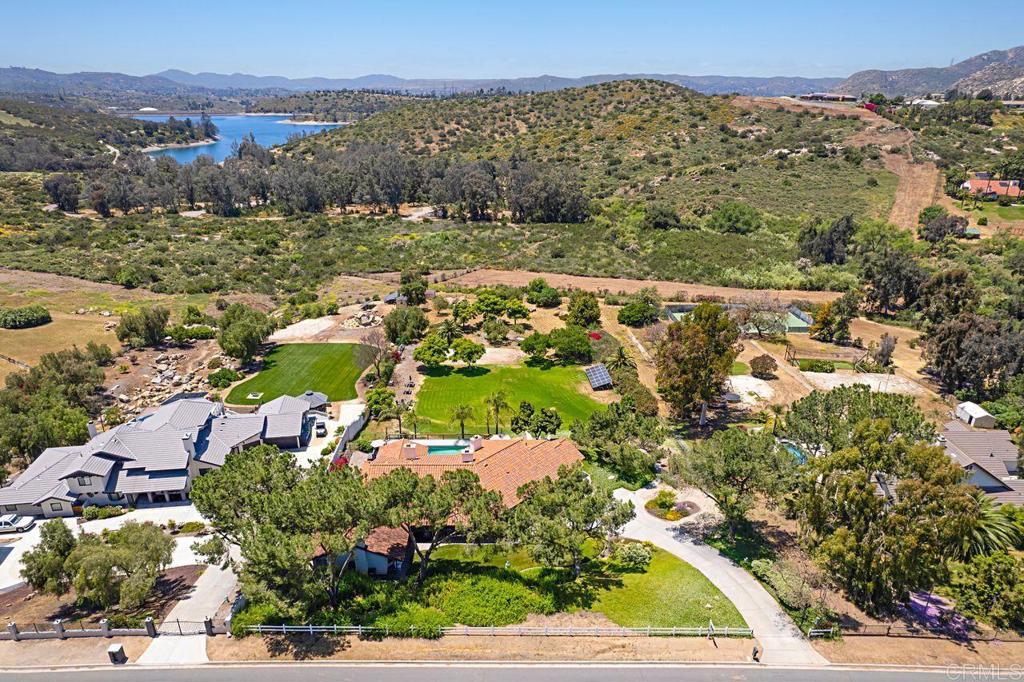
268	131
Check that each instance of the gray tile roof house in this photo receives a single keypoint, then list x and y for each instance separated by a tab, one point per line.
990	459
154	457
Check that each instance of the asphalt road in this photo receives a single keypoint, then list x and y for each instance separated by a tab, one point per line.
306	672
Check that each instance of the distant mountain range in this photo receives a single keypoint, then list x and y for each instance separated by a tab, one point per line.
711	85
1001	71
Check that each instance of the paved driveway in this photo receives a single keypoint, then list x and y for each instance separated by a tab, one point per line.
781	641
10	562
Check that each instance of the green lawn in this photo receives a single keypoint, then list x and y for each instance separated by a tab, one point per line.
544	386
670	593
290	369
739	368
805	364
993	209
604	478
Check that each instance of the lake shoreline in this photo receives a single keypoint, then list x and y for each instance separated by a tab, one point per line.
179	145
315	123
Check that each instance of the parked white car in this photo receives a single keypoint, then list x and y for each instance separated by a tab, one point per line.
13	523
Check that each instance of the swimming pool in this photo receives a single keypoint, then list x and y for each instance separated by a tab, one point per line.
797	453
445	449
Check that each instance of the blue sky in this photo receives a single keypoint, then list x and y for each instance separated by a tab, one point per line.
449	39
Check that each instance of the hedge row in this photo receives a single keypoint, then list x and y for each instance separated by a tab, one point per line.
22	318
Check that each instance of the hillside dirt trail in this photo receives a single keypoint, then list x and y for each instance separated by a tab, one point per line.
920	182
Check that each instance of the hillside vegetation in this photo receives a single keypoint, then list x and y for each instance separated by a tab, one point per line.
330	105
33	136
647	140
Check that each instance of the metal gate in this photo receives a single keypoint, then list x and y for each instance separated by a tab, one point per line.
181	627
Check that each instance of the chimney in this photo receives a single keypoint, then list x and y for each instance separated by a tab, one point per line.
92	429
186	442
467	455
475	443
409	450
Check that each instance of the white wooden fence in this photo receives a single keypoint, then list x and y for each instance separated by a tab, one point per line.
709	630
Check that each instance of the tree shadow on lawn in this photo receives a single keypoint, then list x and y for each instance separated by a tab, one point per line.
447	370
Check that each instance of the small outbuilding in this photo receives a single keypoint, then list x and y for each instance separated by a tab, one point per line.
975	415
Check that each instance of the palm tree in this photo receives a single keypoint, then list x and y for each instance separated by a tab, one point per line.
777	411
399	409
449	331
460	413
992	531
497	401
620	359
415	420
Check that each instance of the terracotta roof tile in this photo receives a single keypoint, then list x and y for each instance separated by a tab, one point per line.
502	465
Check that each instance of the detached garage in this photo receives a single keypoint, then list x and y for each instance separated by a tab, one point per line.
975	415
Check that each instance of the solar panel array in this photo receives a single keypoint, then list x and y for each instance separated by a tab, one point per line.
598	376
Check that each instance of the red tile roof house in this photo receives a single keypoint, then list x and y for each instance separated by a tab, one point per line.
503	465
984	185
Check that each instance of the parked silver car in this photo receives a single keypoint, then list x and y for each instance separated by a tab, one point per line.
13	523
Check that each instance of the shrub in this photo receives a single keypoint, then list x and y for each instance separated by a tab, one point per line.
94	512
190	527
486	600
584	310
663	505
633	555
763	366
496	332
983	220
24	317
825	366
254	614
637	314
571	344
223	377
413	620
362	444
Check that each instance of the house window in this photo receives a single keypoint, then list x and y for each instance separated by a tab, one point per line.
84	480
10	507
56	506
116	496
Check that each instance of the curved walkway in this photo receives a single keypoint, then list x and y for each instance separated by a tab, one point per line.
781	641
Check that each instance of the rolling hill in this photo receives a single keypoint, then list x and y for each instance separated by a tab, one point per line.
645	139
1001	71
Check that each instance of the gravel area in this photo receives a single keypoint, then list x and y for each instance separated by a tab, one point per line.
884	383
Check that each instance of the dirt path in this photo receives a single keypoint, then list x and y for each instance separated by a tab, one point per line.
920	183
919	187
668	289
645	368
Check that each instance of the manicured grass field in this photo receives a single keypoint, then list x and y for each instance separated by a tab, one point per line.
290	369
544	386
669	593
